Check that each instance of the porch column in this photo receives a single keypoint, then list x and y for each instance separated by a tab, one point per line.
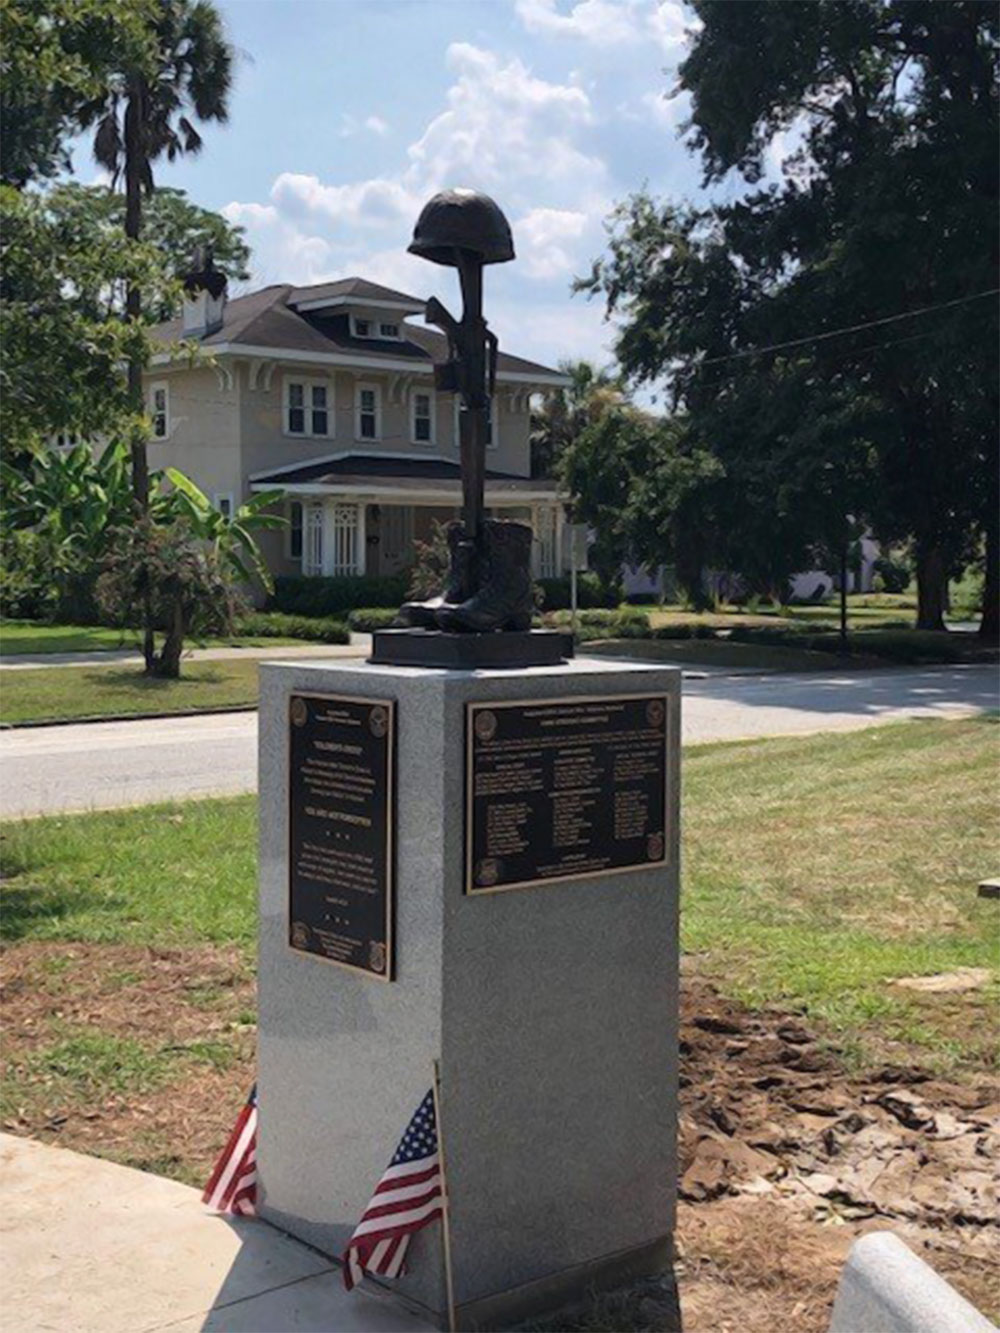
361	543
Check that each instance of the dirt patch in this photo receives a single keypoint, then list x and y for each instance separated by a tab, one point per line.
785	1159
184	1017
784	1156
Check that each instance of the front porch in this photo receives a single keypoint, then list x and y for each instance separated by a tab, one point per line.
361	515
333	537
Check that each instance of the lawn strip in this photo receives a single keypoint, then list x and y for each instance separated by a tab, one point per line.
67	693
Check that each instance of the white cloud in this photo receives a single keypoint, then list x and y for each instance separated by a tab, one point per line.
592	20
503	123
544	239
665	111
372	202
350	125
611	22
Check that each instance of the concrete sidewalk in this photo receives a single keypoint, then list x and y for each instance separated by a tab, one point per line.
92	1247
360	646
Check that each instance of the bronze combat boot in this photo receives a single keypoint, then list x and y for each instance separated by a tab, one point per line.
504	599
461	571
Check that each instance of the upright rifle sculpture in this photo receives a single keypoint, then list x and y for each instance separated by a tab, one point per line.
483	615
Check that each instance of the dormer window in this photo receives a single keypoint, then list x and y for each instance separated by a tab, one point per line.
361	328
388	331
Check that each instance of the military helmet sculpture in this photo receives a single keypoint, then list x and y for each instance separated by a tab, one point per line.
466	221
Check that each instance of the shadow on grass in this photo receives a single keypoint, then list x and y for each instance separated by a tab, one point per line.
102	678
27	906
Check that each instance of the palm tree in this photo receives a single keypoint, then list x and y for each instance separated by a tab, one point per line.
182	70
565	413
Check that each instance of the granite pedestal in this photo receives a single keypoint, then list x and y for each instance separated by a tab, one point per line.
552	1009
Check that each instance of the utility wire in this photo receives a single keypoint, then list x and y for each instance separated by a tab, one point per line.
850	328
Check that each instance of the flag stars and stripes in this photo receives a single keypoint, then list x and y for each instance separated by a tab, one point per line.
409	1196
232	1186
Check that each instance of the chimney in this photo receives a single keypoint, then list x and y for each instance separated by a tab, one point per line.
204	295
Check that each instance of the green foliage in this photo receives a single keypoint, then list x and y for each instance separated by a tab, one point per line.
888	206
566	412
172	228
895	573
368	618
230	536
432	561
591	591
276	625
168	574
56	56
63	343
298	594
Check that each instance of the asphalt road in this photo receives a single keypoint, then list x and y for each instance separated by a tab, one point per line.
101	765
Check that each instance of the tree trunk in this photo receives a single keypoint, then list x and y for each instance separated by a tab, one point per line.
168	665
931	584
135	167
989	626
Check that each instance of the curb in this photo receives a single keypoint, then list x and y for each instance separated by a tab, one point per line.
124	717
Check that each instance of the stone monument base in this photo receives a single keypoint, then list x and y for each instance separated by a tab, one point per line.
551	1008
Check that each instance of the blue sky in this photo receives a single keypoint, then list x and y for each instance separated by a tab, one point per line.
348	114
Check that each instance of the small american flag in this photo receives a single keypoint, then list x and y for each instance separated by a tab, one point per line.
408	1197
232	1186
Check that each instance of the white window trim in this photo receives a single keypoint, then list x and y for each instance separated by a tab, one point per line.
360	388
432	397
219	496
153	390
375	333
308	382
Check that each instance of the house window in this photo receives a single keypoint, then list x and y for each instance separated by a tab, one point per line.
368	412
294	530
67	439
159	410
388	330
308	405
312	555
223	502
422	417
362	328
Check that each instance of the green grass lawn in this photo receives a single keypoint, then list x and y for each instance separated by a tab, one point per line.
59	693
816	870
20	637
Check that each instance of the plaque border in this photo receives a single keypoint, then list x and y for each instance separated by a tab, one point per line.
390	850
472	891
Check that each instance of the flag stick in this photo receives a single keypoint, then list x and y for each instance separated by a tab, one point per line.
445	1228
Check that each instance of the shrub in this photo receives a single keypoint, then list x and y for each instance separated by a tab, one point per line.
368	618
299	594
895	573
590	593
276	625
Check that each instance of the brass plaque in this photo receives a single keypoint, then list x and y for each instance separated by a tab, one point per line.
564	788
341	793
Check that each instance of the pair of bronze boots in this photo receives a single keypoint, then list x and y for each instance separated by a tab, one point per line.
487	589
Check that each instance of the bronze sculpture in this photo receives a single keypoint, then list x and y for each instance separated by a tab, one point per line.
488	592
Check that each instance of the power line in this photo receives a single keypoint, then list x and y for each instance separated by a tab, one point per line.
850	328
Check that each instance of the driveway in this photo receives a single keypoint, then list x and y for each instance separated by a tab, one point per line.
100	765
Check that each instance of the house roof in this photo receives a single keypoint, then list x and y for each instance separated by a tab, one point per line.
281	319
362	471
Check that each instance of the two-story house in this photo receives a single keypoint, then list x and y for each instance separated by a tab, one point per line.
328	392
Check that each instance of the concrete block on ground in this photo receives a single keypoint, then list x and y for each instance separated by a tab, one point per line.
886	1288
